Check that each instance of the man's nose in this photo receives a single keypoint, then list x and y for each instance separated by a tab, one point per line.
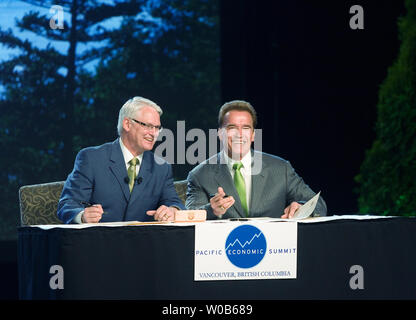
239	131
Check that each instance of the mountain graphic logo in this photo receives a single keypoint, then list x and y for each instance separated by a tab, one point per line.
245	246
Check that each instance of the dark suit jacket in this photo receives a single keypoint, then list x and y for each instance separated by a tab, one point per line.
272	190
99	176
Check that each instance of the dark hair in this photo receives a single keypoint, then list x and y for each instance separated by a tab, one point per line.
238	105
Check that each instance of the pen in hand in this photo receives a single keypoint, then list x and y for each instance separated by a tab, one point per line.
89	204
211	195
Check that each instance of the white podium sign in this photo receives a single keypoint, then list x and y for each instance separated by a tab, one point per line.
245	250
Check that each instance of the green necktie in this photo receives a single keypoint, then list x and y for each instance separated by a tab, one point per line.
131	172
240	185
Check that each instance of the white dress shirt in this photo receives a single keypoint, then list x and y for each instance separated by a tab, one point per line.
128	156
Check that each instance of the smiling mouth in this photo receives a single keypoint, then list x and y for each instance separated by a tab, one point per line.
239	142
149	139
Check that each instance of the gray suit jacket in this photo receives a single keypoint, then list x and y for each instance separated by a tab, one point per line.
272	190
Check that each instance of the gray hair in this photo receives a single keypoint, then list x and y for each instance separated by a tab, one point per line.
129	109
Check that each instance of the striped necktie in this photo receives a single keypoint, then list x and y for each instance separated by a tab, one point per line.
131	172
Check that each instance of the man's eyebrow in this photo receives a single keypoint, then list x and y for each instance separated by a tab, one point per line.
244	125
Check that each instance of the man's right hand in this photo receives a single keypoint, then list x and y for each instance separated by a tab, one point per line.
92	214
220	203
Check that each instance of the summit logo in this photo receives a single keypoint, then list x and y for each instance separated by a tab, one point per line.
245	246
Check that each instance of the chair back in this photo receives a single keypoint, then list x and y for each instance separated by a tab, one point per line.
39	202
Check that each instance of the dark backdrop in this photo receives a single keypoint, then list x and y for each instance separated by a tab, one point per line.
313	80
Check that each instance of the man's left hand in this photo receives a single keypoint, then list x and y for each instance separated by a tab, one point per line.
290	210
163	213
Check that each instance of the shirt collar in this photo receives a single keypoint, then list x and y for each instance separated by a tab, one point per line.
127	154
246	161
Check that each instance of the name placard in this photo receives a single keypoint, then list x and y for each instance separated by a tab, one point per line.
245	250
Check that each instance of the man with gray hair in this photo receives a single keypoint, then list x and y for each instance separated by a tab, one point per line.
122	180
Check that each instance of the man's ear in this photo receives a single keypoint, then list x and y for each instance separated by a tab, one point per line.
220	133
126	124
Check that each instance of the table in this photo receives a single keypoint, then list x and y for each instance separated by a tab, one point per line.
157	262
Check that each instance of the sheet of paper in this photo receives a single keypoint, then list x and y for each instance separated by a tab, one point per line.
224	221
306	220
84	225
113	224
344	217
306	210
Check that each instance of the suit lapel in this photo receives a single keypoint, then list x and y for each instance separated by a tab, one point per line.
224	180
118	168
258	181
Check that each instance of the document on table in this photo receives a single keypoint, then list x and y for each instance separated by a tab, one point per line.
113	224
306	210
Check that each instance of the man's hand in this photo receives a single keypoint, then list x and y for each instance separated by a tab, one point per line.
92	214
290	210
163	213
220	203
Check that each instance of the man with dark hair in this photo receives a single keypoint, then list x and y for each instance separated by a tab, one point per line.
240	182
